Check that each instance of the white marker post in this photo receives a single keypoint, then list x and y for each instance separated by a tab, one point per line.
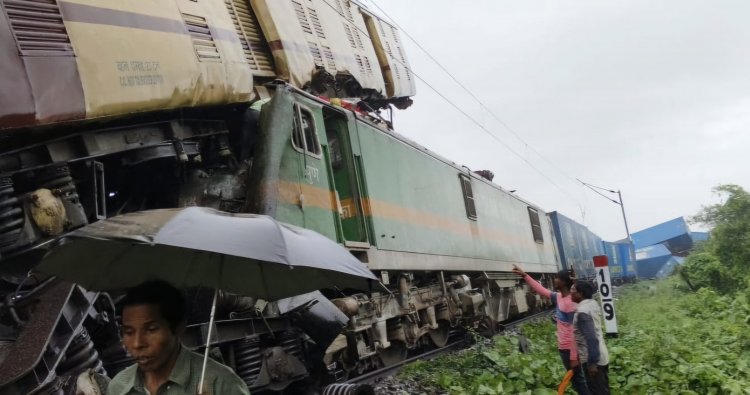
604	284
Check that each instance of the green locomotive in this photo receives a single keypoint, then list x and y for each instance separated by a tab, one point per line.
442	238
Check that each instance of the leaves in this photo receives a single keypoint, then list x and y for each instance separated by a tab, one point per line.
498	368
723	262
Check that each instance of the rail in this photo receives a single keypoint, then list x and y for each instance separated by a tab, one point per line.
370	377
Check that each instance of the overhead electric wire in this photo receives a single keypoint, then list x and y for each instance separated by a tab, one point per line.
594	186
591	187
470	93
459	109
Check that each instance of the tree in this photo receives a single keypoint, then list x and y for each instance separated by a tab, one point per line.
725	260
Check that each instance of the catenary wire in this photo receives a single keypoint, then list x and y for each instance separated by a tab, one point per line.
460	110
470	93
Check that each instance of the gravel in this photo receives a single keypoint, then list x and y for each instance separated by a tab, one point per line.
394	385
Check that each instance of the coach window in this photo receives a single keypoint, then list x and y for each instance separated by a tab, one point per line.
304	137
536	226
471	210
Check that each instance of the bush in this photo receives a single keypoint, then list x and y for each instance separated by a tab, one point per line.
705	270
723	262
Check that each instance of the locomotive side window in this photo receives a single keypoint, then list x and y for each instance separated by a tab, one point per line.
304	136
298	139
471	210
536	226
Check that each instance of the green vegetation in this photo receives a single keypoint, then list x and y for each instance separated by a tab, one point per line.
687	334
677	342
497	368
672	341
722	263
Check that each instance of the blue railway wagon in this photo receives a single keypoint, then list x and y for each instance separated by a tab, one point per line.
651	259
576	245
669	267
673	234
629	272
616	267
621	267
699	236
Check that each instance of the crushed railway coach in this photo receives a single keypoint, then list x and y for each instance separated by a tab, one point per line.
117	108
79	60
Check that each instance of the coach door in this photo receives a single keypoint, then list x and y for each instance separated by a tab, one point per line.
345	181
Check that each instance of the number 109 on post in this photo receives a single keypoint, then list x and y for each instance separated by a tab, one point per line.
604	285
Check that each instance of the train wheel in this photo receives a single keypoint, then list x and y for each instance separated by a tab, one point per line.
394	354
439	336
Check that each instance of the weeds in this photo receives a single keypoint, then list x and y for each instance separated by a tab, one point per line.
671	342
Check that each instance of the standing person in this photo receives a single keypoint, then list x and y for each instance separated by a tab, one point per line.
587	324
564	310
153	317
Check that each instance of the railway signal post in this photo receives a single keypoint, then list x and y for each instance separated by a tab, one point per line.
604	285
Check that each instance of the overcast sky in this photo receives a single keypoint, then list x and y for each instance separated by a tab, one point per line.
651	97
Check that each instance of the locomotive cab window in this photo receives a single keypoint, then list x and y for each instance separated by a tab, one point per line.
536	226
304	136
471	210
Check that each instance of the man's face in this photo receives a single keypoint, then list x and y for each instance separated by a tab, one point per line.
147	337
575	295
557	283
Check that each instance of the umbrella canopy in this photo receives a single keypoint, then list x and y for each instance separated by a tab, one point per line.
247	254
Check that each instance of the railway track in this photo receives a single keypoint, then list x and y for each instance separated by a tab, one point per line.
515	324
370	377
361	385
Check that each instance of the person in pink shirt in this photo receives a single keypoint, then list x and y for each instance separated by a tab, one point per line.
564	312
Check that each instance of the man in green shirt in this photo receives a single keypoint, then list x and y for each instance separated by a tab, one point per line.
153	316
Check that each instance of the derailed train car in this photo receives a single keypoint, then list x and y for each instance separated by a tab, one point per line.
109	108
622	267
85	59
576	244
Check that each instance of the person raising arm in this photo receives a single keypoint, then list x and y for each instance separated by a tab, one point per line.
564	312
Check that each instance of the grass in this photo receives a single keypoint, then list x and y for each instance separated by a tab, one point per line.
671	342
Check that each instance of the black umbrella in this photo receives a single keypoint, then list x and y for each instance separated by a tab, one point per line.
252	255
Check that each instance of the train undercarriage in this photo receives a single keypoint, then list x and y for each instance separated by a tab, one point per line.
52	332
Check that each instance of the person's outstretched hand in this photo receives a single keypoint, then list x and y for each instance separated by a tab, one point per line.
519	271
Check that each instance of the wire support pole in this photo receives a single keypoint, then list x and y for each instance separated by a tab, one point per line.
619	202
627	230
